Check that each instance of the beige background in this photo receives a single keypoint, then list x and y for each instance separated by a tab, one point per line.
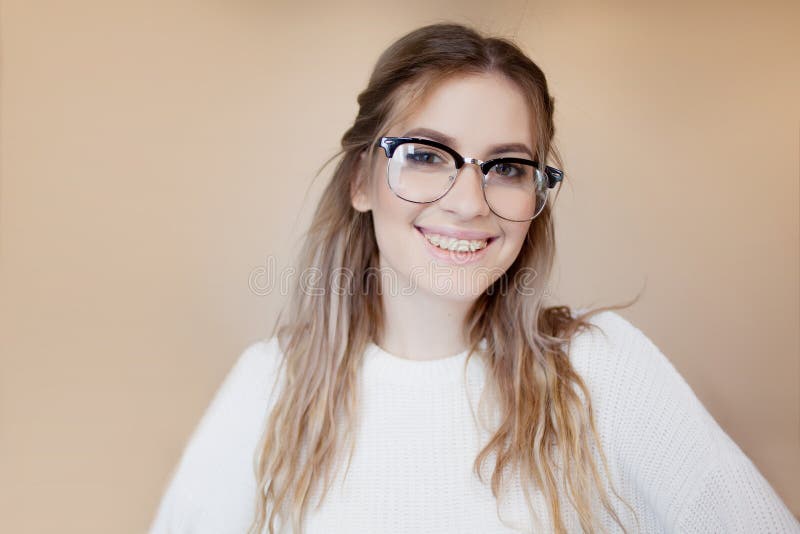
156	155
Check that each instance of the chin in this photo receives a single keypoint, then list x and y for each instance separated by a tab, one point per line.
450	291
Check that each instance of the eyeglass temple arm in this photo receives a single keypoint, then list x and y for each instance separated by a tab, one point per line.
554	175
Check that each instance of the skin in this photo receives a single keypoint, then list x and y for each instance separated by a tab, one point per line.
424	321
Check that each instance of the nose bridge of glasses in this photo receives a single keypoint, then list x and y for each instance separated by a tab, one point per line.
471	187
477	163
473	160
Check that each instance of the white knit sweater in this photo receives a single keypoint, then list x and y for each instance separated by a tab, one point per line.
412	470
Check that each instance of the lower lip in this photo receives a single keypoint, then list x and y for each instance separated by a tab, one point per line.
452	256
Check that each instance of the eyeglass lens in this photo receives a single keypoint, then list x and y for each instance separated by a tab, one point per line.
422	173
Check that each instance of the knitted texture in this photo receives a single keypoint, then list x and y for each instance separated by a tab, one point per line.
418	436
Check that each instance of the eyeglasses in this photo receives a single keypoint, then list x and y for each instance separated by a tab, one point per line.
423	171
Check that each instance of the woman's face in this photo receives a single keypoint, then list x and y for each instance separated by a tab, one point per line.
472	114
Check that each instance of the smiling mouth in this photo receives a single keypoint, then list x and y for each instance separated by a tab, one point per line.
454	244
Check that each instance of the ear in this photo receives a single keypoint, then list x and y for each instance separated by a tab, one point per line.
359	197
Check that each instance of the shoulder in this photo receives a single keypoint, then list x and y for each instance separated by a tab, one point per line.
251	380
609	330
664	446
656	433
641	399
613	352
212	485
240	403
258	363
261	354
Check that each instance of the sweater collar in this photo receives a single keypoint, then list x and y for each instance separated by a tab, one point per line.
382	365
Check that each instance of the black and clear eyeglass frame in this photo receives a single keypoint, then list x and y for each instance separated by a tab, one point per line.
390	144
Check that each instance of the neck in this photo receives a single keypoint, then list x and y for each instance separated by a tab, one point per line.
423	325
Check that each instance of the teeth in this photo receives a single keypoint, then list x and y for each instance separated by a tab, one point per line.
458	245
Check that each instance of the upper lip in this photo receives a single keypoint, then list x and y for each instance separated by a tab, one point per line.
455	232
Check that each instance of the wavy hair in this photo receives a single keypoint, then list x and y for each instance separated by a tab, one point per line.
546	421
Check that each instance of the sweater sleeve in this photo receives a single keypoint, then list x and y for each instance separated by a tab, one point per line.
731	495
670	454
212	489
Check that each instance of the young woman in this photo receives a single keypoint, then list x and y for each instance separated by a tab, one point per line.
418	383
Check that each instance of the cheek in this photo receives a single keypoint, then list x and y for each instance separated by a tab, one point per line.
393	212
516	232
392	218
515	237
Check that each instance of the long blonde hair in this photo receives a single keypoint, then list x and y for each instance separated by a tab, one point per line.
546	416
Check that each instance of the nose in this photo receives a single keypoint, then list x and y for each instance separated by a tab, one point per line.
465	197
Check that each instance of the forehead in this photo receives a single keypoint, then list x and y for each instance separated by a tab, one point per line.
476	110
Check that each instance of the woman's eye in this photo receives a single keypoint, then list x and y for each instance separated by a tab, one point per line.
423	157
505	169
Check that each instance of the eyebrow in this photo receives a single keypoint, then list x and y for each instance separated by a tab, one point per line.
449	141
